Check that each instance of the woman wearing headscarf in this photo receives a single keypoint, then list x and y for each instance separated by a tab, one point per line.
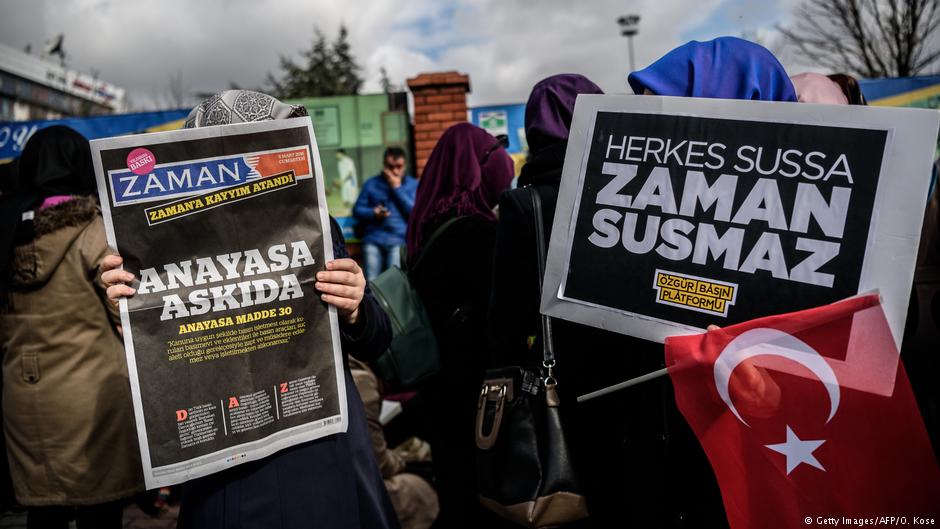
638	460
617	443
67	414
727	68
457	194
621	445
922	328
331	482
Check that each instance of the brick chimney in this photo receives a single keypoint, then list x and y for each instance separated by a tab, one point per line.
440	101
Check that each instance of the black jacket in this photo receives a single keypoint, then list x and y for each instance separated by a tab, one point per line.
329	483
453	281
635	454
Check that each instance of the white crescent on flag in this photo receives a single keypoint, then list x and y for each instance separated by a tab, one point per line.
766	341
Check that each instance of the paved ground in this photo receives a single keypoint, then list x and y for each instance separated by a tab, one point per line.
134	518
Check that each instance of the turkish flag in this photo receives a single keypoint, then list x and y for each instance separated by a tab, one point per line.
807	418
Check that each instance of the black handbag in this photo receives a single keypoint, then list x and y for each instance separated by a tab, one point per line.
524	466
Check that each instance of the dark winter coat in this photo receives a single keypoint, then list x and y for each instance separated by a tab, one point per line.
636	456
922	332
330	483
453	280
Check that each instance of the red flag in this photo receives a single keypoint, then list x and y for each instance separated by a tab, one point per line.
808	418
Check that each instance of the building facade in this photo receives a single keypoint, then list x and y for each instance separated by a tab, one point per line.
34	88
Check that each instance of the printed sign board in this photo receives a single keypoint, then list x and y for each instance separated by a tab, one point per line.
677	213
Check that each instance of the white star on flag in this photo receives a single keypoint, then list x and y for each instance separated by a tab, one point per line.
798	451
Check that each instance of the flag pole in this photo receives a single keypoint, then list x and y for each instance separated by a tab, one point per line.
623	385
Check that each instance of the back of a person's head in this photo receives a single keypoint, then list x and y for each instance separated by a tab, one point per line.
550	107
394	153
817	88
56	160
464	176
850	87
726	68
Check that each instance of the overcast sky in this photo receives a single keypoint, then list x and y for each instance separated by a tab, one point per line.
505	45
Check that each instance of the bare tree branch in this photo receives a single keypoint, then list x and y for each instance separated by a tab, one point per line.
868	38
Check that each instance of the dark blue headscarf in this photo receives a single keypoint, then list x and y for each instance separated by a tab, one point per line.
726	68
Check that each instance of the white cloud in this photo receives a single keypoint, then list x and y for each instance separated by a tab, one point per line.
505	45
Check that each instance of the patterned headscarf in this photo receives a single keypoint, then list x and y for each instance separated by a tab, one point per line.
240	106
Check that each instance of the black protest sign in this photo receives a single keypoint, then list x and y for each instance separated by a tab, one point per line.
231	353
679	220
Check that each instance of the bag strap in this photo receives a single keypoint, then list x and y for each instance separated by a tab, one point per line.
434	236
548	345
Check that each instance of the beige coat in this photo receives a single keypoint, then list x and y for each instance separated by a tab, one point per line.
67	411
413	498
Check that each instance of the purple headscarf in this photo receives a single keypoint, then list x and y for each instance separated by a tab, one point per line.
455	181
550	106
726	68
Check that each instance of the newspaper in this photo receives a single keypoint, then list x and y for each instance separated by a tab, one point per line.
231	354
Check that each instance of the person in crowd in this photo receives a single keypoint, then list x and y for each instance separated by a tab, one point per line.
383	207
414	499
67	413
451	235
817	88
330	482
728	68
918	349
922	329
725	67
638	459
7	173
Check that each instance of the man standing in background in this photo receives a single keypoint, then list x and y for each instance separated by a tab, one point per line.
383	208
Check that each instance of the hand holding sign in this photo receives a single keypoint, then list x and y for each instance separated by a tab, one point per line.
117	281
343	286
757	394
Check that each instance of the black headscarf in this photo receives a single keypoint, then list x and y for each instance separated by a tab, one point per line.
55	161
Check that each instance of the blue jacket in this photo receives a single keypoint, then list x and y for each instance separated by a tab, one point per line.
389	231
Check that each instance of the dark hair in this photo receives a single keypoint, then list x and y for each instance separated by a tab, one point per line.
394	153
850	87
341	151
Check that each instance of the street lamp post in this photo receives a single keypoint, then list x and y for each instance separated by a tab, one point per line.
629	26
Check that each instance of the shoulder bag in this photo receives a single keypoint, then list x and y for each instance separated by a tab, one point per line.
524	466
